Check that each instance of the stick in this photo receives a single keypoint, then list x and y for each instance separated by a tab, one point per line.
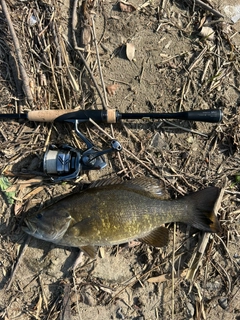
23	72
16	266
98	61
207	7
74	21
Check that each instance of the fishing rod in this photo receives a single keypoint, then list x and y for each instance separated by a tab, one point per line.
65	162
113	116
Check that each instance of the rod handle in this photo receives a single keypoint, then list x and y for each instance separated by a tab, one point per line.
45	115
109	116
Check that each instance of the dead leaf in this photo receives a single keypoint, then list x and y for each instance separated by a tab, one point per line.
38	306
161	278
130	51
73	81
202	21
18	207
105	289
86	38
167	276
33	192
126	7
111	89
102	252
208	33
30	182
12	188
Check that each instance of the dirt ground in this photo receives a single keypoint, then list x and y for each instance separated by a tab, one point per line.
155	56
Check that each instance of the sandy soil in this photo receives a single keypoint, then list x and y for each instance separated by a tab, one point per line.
185	57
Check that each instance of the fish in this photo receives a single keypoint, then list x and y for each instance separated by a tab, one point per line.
114	212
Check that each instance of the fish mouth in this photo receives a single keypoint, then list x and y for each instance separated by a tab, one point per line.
31	229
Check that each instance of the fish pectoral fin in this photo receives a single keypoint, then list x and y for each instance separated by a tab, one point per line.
157	238
91	251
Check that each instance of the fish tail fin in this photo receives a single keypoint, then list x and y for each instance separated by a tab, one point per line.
202	215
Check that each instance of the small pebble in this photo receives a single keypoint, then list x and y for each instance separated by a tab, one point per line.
213	285
87	296
119	313
157	141
223	302
191	310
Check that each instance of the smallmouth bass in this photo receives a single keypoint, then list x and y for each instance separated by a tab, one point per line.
111	212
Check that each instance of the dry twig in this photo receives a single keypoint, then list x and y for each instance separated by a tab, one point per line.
74	22
207	7
17	264
153	172
65	313
98	61
23	72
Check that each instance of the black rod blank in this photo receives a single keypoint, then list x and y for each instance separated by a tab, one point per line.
210	115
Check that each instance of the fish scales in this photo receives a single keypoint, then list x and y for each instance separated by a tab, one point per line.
126	213
116	213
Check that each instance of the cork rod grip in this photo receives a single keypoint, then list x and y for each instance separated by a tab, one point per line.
111	116
46	115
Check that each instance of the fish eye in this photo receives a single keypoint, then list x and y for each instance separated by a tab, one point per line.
39	215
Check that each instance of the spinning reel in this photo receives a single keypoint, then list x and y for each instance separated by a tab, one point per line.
66	162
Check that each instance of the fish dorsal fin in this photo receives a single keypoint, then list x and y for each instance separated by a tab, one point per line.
157	238
91	251
152	186
105	182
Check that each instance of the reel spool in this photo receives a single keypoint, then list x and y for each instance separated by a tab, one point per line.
63	161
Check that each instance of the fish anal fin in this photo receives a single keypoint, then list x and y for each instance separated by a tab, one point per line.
91	251
157	238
